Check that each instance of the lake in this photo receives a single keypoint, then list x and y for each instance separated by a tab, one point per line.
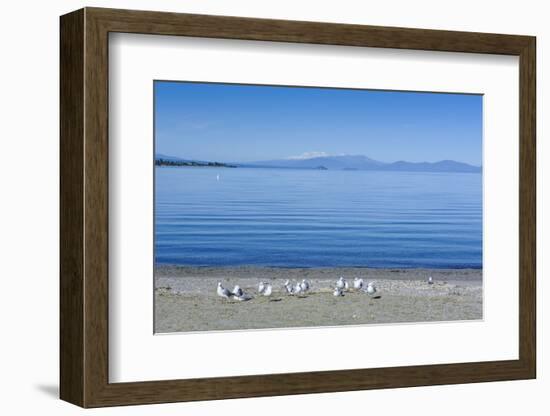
317	218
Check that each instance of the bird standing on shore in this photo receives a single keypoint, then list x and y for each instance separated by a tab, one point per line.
237	291
239	294
288	287
338	292
357	283
261	287
223	292
372	291
305	285
267	290
430	280
341	283
297	288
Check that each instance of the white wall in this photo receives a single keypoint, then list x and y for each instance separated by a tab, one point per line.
29	209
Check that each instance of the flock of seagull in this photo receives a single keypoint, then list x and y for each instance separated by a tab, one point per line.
301	288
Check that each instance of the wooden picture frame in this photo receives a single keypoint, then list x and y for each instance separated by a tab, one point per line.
84	207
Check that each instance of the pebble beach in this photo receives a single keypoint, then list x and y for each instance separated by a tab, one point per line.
186	298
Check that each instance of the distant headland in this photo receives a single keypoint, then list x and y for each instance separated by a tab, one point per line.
192	163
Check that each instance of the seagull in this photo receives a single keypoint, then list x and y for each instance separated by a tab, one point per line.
371	290
346	285
338	292
430	280
288	287
357	283
305	285
297	289
224	293
217	177
237	291
341	283
239	294
261	287
267	290
243	296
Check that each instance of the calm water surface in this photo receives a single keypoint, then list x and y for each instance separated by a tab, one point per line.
316	218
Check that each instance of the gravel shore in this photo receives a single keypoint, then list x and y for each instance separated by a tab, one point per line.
186	300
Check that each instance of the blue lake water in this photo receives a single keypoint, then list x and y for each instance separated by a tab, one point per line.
316	218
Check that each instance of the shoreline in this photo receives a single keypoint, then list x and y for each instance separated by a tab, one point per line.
267	272
186	299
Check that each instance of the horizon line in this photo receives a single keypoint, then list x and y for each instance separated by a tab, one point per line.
297	158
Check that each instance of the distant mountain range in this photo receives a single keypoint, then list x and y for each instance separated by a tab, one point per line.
344	162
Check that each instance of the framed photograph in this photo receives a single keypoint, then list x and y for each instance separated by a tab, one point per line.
255	207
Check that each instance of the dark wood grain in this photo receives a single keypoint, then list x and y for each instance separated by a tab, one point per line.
96	207
162	23
71	100
84	207
527	208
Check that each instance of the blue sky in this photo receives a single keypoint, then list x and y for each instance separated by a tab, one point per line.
244	123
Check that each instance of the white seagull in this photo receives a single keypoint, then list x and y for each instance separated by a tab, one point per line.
371	290
261	287
357	283
267	290
338	292
297	288
341	283
305	285
288	287
224	293
237	291
430	280
243	296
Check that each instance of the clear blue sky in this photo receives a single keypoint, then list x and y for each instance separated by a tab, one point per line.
244	123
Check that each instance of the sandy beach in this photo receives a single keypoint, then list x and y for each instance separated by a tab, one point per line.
186	300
